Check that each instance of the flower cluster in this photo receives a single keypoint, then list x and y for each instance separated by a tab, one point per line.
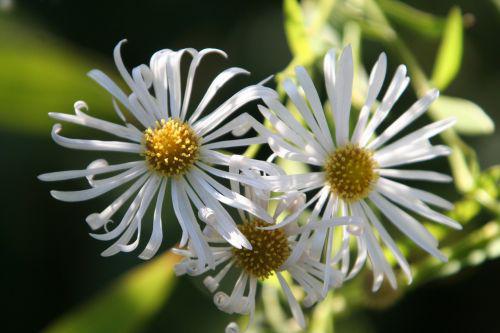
245	220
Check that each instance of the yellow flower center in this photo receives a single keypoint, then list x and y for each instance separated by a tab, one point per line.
270	250
172	147
350	172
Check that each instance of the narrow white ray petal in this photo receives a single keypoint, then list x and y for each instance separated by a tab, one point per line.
158	65
375	82
289	152
174	80
143	78
430	176
378	261
184	213
212	156
97	145
133	223
388	241
313	98
408	225
197	57
82	195
102	125
127	217
104	81
313	222
295	182
403	199
415	111
235	143
421	134
297	313
123	244
284	114
282	128
304	110
224	224
145	118
248	94
238	127
98	220
293	217
343	95
360	261
72	174
396	87
255	182
329	73
220	80
410	154
157	233
425	196
222	194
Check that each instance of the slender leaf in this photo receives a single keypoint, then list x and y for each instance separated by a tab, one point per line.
471	119
421	22
449	57
296	31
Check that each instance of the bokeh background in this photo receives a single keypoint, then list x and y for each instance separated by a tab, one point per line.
50	266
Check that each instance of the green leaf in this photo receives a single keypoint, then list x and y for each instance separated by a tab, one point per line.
421	22
296	32
449	57
471	119
127	304
43	75
462	174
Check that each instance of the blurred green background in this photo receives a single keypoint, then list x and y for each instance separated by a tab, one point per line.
50	266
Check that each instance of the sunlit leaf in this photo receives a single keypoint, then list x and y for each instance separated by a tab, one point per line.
127	304
421	22
296	31
471	119
449	57
44	75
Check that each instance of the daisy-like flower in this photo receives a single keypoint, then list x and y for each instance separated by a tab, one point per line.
281	251
170	144
360	169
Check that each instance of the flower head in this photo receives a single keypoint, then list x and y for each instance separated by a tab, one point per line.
357	171
278	252
172	147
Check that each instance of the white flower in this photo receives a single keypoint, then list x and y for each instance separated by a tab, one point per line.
358	170
281	251
167	146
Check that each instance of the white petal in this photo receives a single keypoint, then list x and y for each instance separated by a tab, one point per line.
415	111
209	122
297	313
313	98
408	225
343	95
219	81
97	145
72	174
375	82
197	57
430	176
73	196
421	134
157	233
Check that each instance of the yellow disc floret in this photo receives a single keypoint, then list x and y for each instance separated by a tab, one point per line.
172	147
270	249
350	172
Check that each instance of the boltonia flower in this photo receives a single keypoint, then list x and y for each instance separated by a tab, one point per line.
283	252
171	146
361	170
